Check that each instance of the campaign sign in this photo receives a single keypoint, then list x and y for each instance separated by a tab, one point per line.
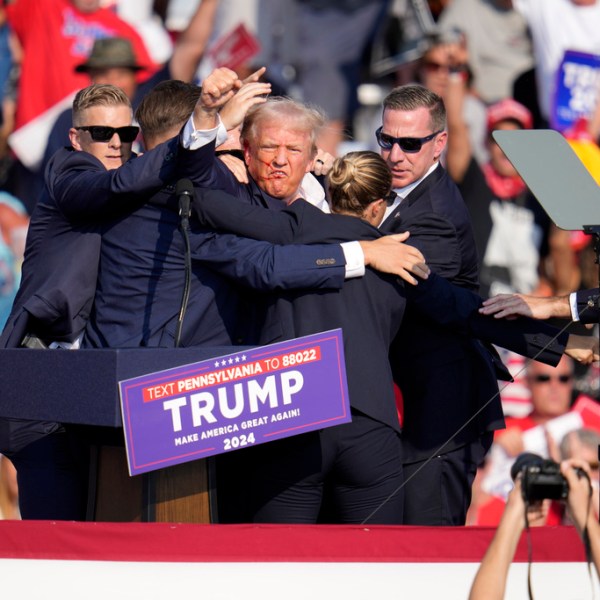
577	86
234	48
234	401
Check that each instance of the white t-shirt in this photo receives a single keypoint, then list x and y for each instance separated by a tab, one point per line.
557	26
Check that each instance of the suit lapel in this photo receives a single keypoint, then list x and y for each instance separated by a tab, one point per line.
394	220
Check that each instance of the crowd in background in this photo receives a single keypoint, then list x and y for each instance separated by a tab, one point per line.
495	64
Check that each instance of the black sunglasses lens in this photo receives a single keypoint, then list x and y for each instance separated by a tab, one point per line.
410	144
547	378
128	134
100	133
385	141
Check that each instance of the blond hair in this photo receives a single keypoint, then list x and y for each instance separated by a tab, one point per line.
356	180
98	94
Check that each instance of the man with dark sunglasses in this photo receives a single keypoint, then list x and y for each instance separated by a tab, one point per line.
552	397
86	185
445	378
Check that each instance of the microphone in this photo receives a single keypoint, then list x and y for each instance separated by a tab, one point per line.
184	191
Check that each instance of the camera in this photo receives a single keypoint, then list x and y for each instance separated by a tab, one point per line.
541	478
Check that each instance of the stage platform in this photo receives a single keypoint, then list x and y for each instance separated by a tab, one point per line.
66	560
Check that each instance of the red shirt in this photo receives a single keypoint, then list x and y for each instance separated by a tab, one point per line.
56	38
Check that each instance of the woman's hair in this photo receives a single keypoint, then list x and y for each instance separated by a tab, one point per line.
98	94
356	180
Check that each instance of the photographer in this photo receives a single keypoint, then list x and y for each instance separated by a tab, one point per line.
490	579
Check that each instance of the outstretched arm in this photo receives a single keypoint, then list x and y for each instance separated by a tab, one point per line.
512	305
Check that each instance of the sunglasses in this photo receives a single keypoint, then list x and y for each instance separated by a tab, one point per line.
547	378
410	145
101	133
435	67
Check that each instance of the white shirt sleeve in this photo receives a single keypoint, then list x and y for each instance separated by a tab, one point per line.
355	259
193	138
574	309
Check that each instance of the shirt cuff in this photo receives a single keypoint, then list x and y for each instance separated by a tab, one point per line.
193	138
573	304
355	259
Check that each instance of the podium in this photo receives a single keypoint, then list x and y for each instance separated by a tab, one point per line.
81	388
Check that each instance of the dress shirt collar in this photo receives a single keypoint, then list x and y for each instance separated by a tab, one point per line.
405	191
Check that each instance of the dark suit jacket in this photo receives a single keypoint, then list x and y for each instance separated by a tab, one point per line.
445	378
587	305
368	310
142	273
63	242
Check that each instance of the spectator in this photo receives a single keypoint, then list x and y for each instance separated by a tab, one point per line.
55	36
490	579
332	36
141	15
556	27
510	224
498	42
540	432
113	61
13	229
582	444
447	58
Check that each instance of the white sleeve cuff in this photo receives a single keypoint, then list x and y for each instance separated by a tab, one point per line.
355	259
193	138
573	304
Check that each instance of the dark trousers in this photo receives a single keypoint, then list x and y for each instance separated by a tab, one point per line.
354	469
52	475
438	492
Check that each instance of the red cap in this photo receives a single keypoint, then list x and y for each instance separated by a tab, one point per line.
508	110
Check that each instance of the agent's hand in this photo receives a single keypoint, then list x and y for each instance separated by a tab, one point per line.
514	305
389	255
236	166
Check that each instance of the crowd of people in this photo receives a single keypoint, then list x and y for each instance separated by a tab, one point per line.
413	232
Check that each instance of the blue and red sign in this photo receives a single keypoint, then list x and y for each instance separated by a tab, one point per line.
234	401
577	87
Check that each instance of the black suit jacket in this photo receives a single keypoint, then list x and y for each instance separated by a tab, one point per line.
63	241
448	380
142	274
367	310
587	305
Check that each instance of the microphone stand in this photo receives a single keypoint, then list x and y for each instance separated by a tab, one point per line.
184	191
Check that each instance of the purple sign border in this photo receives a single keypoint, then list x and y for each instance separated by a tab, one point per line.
334	411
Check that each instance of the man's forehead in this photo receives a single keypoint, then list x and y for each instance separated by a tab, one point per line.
280	131
122	112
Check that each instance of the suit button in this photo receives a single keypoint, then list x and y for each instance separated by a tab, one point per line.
325	261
